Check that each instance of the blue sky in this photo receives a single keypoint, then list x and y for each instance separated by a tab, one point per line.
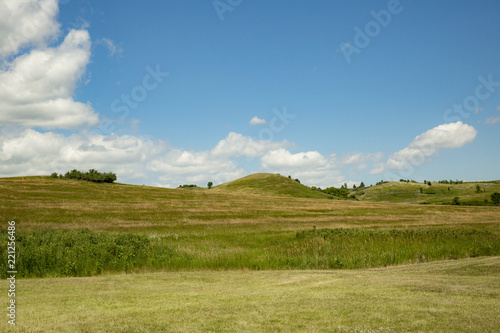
342	91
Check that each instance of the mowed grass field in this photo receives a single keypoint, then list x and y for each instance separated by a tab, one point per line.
242	260
451	296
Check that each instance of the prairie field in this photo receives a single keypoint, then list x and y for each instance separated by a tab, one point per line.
263	254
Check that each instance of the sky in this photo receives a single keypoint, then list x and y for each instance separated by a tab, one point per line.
176	92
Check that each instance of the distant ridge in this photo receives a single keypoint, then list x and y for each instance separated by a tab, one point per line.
271	184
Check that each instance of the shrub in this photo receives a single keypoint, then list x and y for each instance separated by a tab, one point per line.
92	176
53	175
495	198
456	201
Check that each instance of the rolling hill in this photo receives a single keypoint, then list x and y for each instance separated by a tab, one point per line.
273	185
419	193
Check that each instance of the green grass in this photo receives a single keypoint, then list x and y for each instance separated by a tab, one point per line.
87	253
207	247
179	229
401	192
271	184
449	296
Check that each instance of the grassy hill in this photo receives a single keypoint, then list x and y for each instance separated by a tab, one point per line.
419	193
248	256
271	184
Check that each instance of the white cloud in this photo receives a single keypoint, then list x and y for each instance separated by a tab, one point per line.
29	152
282	158
237	145
257	121
492	120
37	82
36	90
27	23
313	168
427	144
111	46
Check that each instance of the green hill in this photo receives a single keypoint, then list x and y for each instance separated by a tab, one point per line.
271	184
436	193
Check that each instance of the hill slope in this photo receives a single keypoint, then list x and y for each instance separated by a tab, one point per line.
271	184
435	194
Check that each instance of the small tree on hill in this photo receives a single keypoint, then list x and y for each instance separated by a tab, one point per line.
362	184
456	201
210	184
495	198
478	189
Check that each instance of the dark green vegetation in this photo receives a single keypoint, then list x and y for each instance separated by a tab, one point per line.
92	176
139	228
86	253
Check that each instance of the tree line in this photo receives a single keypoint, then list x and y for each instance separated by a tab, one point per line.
92	176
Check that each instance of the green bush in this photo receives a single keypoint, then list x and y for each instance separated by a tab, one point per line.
92	176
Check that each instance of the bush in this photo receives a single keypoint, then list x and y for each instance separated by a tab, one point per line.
92	176
495	198
53	175
456	201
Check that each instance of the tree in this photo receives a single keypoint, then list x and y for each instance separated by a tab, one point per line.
354	186
421	190
478	189
209	185
429	183
362	184
495	198
456	201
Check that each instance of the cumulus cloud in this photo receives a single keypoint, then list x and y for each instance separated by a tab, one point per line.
27	23
282	158
238	145
37	82
313	168
257	121
29	152
427	144
36	90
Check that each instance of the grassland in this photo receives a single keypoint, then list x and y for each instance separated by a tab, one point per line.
451	296
250	256
418	193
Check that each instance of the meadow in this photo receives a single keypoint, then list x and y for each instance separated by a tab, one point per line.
441	296
255	234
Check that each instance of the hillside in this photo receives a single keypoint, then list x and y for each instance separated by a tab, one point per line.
402	192
271	184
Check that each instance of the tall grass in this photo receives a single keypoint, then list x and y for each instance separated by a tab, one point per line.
361	248
87	253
